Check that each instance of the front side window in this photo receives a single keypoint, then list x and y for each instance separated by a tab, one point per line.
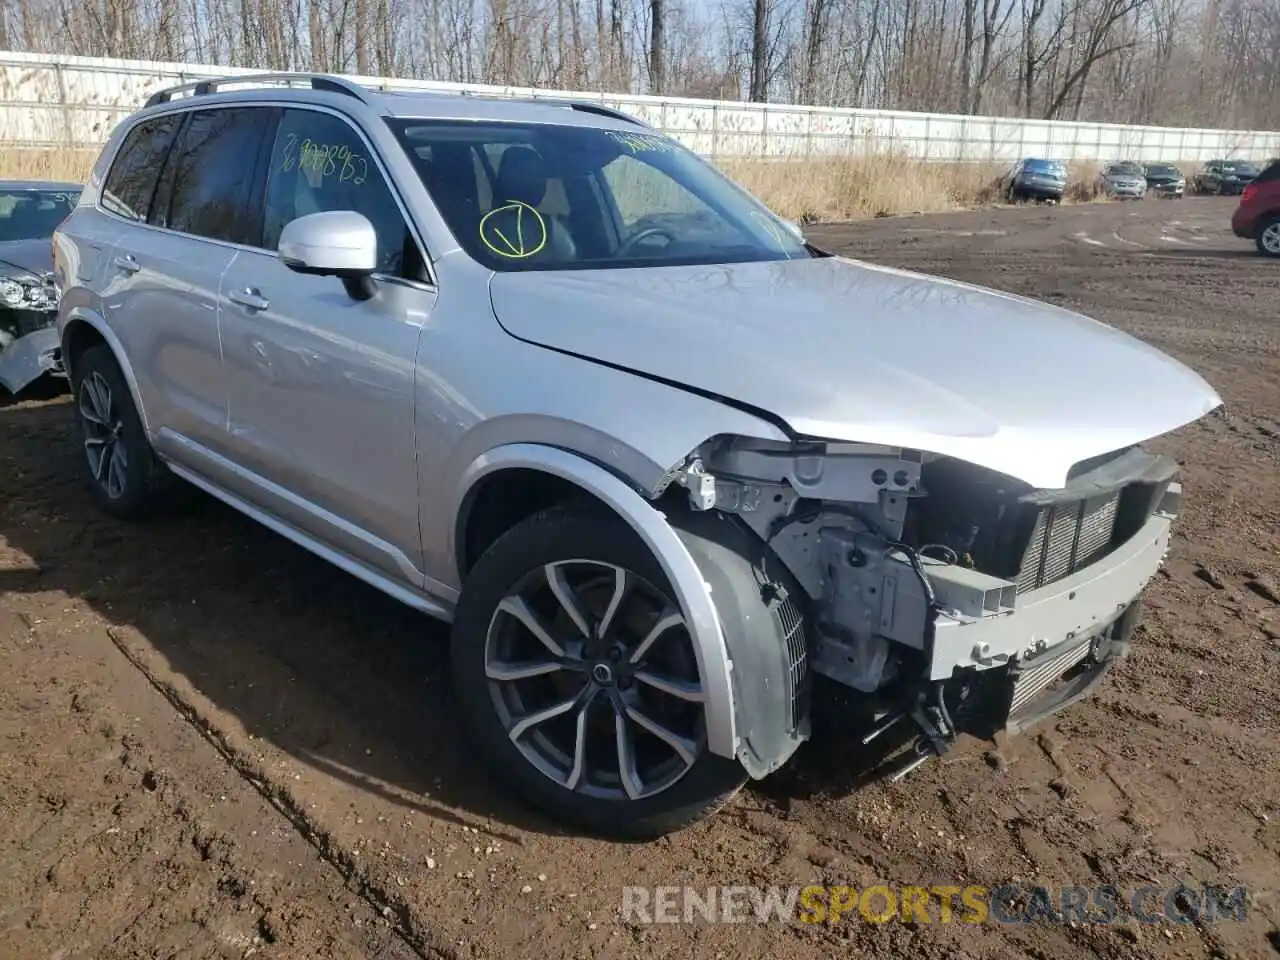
34	214
539	196
209	183
319	163
131	183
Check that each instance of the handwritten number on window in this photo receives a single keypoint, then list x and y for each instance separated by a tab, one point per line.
326	160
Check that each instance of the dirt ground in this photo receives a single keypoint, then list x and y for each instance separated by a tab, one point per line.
214	745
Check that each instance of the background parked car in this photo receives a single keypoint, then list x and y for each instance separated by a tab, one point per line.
1123	181
1036	179
29	212
1257	218
1165	180
1225	176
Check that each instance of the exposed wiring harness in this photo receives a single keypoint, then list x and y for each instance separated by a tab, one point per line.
913	558
953	557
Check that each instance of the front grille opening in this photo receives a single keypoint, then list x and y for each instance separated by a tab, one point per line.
1005	528
1067	537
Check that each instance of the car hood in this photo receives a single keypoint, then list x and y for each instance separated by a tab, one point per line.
33	256
850	351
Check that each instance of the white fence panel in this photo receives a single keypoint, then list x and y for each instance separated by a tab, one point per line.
55	100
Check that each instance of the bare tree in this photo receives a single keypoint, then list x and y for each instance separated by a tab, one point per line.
657	45
1183	62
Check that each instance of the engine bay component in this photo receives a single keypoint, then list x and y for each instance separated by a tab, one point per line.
919	570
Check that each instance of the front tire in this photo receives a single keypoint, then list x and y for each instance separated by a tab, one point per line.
124	475
578	680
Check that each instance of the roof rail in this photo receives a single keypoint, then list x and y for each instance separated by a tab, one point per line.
602	110
582	106
316	81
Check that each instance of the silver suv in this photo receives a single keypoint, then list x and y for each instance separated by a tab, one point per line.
673	474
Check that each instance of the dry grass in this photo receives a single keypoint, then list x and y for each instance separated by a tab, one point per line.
1082	181
883	184
27	163
872	184
868	185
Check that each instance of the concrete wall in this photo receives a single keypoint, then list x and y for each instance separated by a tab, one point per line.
55	100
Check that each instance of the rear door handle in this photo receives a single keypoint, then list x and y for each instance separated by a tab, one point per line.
249	298
127	263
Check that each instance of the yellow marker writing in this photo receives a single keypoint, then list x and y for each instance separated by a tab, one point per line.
514	231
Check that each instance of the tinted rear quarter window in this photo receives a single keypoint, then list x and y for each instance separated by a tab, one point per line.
213	175
131	182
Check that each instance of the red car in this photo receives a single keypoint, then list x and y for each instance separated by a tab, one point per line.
1258	216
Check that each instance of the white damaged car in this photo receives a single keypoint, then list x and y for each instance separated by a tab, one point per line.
539	371
29	212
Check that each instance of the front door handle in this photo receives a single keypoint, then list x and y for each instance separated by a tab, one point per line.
127	264
250	298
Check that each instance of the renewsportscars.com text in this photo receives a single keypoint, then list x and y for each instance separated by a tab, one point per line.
937	903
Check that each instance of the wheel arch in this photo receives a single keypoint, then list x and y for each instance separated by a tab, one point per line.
556	471
85	328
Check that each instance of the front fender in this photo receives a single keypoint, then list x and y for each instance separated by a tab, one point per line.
661	538
94	320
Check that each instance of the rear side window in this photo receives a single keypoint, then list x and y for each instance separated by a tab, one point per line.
1271	173
212	170
131	183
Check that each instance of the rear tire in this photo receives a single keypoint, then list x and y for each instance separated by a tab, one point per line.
124	475
600	728
1268	240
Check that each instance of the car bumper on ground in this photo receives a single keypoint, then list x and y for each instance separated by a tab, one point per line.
25	360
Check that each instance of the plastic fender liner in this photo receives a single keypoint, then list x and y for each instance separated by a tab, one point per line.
762	612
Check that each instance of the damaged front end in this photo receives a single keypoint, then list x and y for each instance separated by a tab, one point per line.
944	593
29	347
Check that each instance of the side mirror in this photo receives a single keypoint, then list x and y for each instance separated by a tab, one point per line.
335	243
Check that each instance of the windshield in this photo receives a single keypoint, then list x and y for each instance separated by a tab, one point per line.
1125	170
1161	170
557	197
33	214
1054	167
